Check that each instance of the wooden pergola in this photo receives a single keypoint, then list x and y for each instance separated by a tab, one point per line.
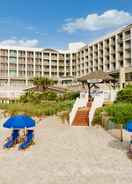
94	78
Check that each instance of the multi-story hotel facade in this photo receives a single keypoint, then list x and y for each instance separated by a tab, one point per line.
112	54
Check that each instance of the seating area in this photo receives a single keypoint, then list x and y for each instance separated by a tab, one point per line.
12	140
24	142
28	140
20	122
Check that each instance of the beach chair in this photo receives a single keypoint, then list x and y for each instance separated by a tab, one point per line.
12	140
29	140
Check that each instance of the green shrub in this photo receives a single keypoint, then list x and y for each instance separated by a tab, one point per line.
49	111
51	96
30	96
37	109
125	95
120	112
98	116
70	95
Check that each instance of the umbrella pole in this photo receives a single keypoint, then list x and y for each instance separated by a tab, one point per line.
24	132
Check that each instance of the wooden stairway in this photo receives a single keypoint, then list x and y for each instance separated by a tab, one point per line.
82	116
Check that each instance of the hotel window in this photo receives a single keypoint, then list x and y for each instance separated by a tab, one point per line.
12	60
13	53
13	72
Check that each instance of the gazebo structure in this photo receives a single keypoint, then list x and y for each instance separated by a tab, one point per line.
94	78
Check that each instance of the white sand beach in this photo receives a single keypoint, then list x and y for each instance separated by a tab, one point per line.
66	155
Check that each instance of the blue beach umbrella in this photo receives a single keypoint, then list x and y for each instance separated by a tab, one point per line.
19	122
129	126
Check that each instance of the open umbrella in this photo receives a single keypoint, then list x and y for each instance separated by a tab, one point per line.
19	122
129	126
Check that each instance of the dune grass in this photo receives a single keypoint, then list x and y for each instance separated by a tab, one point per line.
45	108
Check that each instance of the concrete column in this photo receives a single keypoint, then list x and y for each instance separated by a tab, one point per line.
8	67
58	65
85	62
50	65
131	46
89	59
93	59
124	53
34	63
116	51
98	57
110	52
42	63
77	65
65	65
104	68
70	64
26	77
17	64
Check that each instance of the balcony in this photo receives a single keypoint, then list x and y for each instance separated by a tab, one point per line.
120	49
21	55
106	53
61	57
46	69
120	58
119	40
112	51
3	69
128	56
38	70
106	46
38	55
30	69
46	63
127	46
54	57
107	61
127	37
112	43
3	54
113	60
61	64
128	63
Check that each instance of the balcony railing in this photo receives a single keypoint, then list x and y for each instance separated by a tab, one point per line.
127	37
119	40
128	46
128	56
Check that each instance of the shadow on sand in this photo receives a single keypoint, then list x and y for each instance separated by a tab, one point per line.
117	144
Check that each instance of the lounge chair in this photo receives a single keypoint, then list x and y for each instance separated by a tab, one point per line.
28	140
12	140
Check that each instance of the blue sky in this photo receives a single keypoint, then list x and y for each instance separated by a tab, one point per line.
55	23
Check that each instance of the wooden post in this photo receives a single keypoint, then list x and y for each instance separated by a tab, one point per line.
89	90
121	129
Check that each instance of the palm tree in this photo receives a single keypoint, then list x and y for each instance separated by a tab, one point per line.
42	83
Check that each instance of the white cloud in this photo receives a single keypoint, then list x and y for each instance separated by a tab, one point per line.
19	43
94	22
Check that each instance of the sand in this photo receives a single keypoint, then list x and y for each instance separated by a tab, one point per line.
66	155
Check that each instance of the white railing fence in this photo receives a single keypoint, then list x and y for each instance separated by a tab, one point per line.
12	94
80	102
110	95
97	102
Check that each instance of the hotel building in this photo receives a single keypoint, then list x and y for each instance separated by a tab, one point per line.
112	54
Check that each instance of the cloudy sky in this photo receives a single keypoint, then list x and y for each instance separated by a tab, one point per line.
55	23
